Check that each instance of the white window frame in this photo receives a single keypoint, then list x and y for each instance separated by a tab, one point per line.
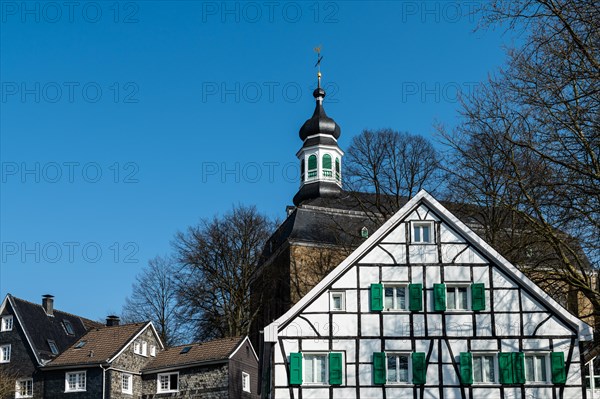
144	348
245	382
159	389
548	372
305	380
5	351
394	308
153	350
129	378
342	296
28	384
420	224
53	347
137	348
495	370
387	371
7	323
455	287
79	387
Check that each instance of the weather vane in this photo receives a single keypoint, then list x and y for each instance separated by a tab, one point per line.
318	64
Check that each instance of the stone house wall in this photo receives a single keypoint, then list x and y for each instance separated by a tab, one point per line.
207	382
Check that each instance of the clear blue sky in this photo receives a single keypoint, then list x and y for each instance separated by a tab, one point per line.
122	123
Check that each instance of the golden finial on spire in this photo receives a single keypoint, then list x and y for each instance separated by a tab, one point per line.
318	64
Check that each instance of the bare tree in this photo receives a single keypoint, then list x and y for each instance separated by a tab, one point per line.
392	166
154	297
8	379
220	258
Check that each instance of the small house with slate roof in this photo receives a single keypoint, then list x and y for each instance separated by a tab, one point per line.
32	335
106	362
223	368
424	308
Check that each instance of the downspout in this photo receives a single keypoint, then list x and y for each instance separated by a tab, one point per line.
103	382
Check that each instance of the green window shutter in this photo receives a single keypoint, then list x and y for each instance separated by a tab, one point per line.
312	162
439	297
419	368
466	368
559	373
337	165
295	368
415	301
506	368
335	368
326	161
477	296
379	374
519	367
376	297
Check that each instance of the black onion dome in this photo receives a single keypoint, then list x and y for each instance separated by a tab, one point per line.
319	123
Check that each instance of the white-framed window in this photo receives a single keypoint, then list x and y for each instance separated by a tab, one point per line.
484	368
245	382
395	297
152	350
75	381
315	368
53	347
24	388
137	348
457	297
536	367
5	353
398	368
422	233
127	383
338	300
167	382
144	348
7	323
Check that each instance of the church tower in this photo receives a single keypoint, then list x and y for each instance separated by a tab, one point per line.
320	156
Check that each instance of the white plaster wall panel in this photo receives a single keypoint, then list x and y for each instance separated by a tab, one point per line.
369	325
536	344
315	345
344	393
350	378
457	346
396	325
431	393
444	354
417	275
315	393
448	235
399	392
347	346
346	280
572	393
514	393
449	378
483	325
414	215
434	324
487	393
394	273
281	378
426	213
396	235
509	345
550	327
320	304
419	325
370	393
377	256
484	345
368	275
481	275
505	300
457	274
366	349
538	392
500	280
281	393
470	256
452	393
432	275
508	324
289	345
459	325
317	321
419	253
396	251
451	251
564	345
530	304
574	374
351	301
365	374
345	325
433	377
365	306
398	345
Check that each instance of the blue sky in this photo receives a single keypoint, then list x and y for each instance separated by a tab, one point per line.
124	122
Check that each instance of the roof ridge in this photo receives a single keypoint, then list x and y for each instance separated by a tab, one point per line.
54	310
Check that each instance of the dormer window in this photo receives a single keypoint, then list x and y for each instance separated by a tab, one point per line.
68	327
80	344
422	233
7	323
364	232
53	347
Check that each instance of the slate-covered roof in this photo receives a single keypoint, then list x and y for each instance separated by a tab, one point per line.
40	327
101	344
212	351
319	122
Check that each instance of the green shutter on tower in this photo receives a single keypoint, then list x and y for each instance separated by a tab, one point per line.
559	373
477	296
312	162
506	368
439	297
335	368
419	368
415	301
376	297
295	368
379	374
518	359
466	368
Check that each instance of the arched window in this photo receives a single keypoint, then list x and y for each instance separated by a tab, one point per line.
326	161
337	169
302	169
312	166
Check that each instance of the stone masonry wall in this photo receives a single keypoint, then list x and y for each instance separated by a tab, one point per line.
207	382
